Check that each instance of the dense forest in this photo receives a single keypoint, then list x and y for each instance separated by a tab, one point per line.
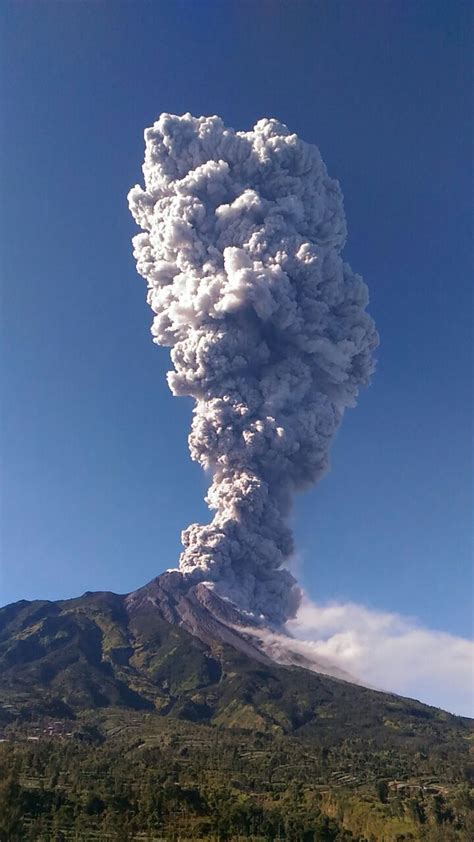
118	775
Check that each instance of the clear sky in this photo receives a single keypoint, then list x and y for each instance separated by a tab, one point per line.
97	480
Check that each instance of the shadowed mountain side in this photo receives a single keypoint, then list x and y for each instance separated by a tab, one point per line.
162	649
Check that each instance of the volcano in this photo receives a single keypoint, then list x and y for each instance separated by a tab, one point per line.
182	651
171	684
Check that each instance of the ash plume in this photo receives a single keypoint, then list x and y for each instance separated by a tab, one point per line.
242	235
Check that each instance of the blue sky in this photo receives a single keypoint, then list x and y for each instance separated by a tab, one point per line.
97	480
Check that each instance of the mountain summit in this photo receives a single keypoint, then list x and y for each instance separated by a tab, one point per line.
202	612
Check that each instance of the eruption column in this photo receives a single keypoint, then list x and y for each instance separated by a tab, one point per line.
268	330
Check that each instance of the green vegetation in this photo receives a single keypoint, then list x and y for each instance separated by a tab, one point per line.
118	775
127	728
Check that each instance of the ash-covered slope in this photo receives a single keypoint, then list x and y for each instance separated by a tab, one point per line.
202	612
195	608
177	651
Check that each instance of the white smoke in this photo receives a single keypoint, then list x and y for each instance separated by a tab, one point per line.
384	650
268	330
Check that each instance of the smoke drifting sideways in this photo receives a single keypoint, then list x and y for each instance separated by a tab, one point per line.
267	329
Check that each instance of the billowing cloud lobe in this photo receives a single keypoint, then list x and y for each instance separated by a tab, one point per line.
242	235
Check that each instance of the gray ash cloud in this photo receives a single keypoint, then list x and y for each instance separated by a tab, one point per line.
241	251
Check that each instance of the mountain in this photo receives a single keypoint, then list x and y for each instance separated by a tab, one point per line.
159	715
183	652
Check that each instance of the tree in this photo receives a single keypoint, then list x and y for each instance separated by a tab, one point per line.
11	827
382	791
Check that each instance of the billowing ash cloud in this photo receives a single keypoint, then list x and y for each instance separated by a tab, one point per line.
268	330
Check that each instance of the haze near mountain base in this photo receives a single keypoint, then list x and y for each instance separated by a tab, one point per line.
242	235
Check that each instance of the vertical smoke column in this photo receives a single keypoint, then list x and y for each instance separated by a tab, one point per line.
268	330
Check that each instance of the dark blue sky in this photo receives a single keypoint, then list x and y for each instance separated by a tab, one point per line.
97	479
